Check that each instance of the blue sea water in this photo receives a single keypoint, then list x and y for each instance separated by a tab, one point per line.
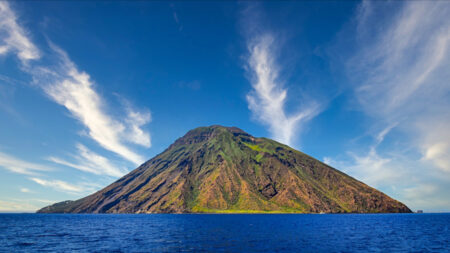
225	233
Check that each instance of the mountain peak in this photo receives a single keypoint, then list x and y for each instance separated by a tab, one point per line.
217	128
201	134
224	169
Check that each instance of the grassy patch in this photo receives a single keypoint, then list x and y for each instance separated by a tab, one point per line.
259	157
257	169
253	147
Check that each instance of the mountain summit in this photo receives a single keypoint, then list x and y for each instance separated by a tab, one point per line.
220	169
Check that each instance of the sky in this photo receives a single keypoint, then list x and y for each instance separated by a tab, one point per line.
90	90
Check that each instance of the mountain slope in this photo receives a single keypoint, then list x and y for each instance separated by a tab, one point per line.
223	169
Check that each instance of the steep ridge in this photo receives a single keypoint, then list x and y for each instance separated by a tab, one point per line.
220	169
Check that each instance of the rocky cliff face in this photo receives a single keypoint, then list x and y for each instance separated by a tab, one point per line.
225	170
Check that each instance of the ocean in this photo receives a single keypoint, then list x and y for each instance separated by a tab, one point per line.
225	232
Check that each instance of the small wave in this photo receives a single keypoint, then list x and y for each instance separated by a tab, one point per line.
25	244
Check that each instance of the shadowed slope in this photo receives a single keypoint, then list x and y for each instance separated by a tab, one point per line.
223	169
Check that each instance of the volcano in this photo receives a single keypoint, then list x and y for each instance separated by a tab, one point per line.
220	169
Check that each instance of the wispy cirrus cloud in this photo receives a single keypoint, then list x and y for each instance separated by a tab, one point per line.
404	73
371	167
88	161
64	186
268	98
13	37
36	171
20	166
135	120
175	17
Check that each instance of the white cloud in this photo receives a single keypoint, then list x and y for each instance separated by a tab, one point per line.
91	162
268	97
405	61
25	190
136	135
74	90
438	153
97	161
381	135
14	37
373	169
434	140
135	120
60	185
370	168
17	165
404	73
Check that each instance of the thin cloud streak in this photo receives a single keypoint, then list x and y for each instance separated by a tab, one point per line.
268	97
91	162
134	120
14	37
59	185
19	166
405	57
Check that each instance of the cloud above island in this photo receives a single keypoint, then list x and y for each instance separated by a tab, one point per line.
268	97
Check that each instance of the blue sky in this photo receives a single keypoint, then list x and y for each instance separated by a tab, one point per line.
89	90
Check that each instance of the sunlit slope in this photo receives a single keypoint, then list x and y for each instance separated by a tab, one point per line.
225	170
